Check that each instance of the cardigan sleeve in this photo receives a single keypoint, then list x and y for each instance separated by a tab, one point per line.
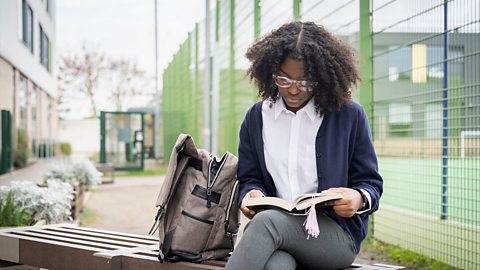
249	173
363	171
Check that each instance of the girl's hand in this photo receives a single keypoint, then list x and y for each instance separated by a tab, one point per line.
351	202
251	194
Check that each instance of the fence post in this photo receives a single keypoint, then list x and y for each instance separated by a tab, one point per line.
366	65
366	70
232	123
296	10
445	114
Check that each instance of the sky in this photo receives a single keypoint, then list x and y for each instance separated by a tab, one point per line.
125	29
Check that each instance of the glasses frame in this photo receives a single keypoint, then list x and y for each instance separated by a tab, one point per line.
306	87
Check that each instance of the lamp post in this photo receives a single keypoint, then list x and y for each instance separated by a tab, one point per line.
157	91
206	90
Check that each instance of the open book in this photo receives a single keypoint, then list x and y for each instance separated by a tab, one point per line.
300	203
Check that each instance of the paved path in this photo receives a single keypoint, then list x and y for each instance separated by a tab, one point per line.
33	172
127	205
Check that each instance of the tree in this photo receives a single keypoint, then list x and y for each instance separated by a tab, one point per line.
81	73
96	75
127	81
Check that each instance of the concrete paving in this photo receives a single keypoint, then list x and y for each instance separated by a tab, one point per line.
127	205
33	172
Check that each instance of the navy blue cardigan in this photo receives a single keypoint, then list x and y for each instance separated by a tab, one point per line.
345	158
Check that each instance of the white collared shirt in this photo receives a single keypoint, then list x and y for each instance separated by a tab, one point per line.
289	147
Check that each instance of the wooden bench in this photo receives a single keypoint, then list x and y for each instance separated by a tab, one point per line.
106	168
67	246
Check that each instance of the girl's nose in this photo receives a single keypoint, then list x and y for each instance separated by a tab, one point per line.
293	89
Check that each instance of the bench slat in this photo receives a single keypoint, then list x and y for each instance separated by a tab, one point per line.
40	237
126	237
100	240
106	236
121	234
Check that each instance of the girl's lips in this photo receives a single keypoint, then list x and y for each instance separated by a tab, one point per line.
293	100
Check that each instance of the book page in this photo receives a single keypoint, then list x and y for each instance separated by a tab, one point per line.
305	200
269	202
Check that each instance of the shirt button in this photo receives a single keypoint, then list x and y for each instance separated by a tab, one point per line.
319	154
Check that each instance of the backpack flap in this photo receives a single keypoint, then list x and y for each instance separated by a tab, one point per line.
183	148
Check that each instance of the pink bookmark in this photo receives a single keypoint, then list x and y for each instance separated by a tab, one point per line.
311	223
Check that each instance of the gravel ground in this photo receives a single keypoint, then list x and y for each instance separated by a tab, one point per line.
128	205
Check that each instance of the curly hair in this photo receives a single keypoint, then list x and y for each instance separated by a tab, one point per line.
327	60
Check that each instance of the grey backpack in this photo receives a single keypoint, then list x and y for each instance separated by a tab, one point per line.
198	215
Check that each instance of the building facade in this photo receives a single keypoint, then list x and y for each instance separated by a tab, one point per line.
28	90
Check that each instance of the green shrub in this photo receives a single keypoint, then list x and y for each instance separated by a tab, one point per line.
66	148
95	157
11	213
21	153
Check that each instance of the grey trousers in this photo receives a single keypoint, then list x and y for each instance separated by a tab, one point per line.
277	240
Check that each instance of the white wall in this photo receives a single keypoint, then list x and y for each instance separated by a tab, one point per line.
14	51
83	135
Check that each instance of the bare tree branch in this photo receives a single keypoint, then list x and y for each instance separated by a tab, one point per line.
127	82
81	73
93	74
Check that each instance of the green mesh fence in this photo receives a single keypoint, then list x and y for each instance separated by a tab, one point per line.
426	108
420	87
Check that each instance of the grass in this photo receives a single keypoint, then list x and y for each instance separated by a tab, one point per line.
400	256
88	216
11	214
161	170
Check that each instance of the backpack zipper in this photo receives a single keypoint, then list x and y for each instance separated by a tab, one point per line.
230	202
230	235
211	182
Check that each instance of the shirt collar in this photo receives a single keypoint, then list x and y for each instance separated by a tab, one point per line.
309	108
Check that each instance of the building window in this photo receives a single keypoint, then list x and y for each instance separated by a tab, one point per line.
33	130
399	119
27	25
47	6
22	102
44	49
420	63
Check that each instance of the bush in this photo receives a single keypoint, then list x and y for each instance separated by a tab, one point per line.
51	203
61	171
71	170
11	213
66	148
21	153
86	172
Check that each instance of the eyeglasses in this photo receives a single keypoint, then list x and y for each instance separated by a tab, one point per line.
285	82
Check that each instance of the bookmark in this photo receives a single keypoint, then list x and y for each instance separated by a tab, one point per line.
311	223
